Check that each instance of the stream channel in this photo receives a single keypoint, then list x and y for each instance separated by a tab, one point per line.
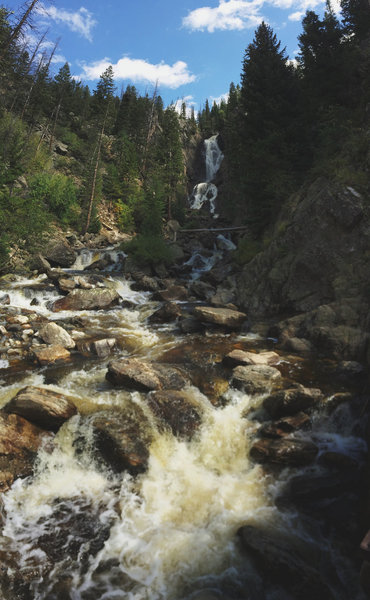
77	529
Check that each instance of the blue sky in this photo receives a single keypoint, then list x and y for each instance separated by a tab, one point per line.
194	48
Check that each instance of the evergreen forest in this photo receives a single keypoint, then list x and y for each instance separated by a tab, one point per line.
66	149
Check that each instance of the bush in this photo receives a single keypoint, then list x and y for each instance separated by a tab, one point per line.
149	250
59	194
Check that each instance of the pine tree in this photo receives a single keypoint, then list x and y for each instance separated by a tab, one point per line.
269	96
356	18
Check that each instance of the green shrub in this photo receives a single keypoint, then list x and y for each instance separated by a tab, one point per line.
59	195
149	250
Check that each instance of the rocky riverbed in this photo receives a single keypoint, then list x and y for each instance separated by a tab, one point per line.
156	444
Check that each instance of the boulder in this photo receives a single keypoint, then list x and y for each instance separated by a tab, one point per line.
5	299
177	410
51	354
61	148
289	561
255	379
284	452
170	311
190	325
43	407
241	357
66	285
285	426
231	319
222	297
100	348
174	292
19	442
59	253
122	439
54	334
145	376
292	401
201	289
144	283
93	299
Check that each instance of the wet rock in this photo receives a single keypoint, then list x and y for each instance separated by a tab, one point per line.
19	442
289	402
43	407
145	376
101	348
66	285
305	490
177	410
170	311
51	354
54	334
290	561
201	289
94	299
350	369
59	253
240	357
122	439
255	379
174	292
285	426
100	265
18	320
5	299
337	460
285	452
144	283
231	319
297	345
190	325
223	297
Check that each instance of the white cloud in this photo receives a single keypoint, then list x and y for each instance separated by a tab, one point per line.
242	14
219	99
229	14
189	103
138	70
80	21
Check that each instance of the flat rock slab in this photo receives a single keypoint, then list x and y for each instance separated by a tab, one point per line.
145	376
94	299
226	317
285	452
43	407
290	402
177	410
51	354
255	379
241	357
19	442
123	439
54	334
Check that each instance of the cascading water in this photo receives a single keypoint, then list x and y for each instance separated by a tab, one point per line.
77	531
207	191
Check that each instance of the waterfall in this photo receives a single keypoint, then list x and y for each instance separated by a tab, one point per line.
207	191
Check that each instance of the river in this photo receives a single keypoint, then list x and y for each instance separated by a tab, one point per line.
77	530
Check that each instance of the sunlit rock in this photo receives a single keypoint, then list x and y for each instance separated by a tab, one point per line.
43	407
220	316
255	379
54	334
94	299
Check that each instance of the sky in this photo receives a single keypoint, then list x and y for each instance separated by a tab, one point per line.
192	48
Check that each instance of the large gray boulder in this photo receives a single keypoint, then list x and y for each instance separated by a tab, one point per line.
291	401
177	410
60	254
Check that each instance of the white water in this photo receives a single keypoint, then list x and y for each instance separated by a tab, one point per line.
207	191
172	530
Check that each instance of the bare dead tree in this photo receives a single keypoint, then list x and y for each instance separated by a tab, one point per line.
15	33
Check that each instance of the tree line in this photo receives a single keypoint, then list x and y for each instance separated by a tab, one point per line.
64	148
288	121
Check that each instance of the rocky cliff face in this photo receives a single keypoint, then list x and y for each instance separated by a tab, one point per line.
319	256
